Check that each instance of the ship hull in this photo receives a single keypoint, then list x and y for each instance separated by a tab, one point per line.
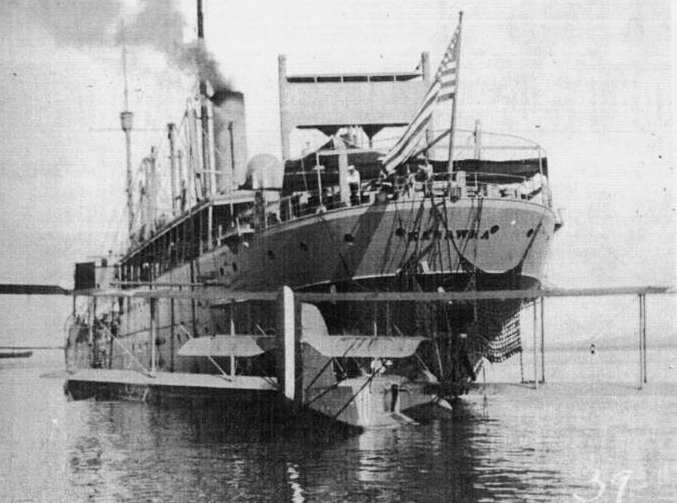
373	245
420	245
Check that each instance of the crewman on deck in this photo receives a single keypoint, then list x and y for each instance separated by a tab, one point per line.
354	185
425	175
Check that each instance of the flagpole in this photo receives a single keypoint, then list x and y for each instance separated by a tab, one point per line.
452	129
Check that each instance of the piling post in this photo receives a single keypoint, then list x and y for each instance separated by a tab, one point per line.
535	331
232	334
172	333
642	340
543	340
639	342
375	321
644	335
92	319
153	337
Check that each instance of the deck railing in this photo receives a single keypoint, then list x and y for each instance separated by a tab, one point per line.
458	185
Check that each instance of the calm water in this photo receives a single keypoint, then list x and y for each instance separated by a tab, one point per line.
567	442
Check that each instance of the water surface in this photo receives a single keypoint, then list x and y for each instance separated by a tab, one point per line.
568	441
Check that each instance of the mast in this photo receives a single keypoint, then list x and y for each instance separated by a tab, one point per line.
171	135
209	176
126	122
478	140
452	129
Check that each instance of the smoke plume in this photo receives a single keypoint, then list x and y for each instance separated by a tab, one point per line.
157	24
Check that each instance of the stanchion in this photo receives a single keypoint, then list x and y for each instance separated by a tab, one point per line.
543	340
535	330
642	340
644	335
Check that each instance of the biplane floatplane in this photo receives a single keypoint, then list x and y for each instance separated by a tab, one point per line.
295	367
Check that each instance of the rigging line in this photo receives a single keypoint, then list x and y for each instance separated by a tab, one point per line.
333	236
461	259
446	239
466	239
404	259
326	365
474	231
531	242
366	383
445	223
408	262
443	217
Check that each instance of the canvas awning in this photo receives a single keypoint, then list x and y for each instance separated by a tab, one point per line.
227	345
365	346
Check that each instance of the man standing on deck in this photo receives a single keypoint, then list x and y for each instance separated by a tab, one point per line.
425	176
354	184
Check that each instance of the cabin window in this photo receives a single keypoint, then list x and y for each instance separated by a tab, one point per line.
271	254
349	238
303	246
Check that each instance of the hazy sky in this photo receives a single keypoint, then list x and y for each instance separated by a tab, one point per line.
588	80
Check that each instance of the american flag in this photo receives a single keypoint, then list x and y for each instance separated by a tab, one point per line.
442	89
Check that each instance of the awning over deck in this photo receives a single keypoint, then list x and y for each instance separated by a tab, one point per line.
299	174
227	345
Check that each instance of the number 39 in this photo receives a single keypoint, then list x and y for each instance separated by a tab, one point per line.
620	480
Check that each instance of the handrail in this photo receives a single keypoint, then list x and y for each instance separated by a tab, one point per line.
487	184
440	134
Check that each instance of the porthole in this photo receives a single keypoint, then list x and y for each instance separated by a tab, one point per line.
349	238
303	246
271	254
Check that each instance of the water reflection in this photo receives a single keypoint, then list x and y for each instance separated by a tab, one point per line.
127	451
517	444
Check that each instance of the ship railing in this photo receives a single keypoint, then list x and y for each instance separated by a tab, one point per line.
241	226
313	202
457	185
471	144
462	184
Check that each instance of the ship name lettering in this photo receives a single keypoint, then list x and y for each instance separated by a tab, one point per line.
416	235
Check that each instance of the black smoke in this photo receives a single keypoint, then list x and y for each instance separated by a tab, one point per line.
157	24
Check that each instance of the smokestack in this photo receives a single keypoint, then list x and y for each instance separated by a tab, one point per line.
230	138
